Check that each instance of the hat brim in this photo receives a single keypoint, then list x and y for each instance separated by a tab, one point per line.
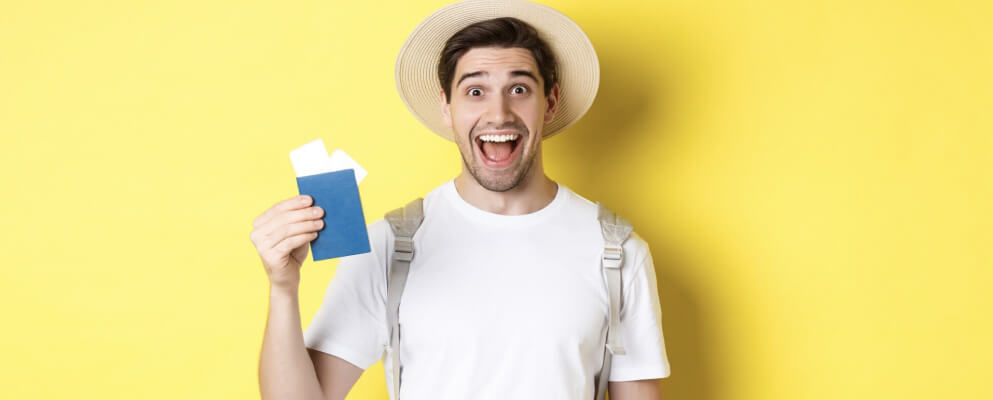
417	63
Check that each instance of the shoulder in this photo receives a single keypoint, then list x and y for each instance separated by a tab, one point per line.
381	234
380	243
636	248
379	229
577	200
435	195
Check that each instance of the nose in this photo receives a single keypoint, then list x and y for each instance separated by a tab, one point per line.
498	112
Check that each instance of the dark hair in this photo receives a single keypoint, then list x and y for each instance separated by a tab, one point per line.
504	32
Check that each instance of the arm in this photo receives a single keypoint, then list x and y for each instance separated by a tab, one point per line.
645	389
639	373
287	369
337	376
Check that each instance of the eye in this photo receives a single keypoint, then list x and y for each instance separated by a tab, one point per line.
475	90
523	89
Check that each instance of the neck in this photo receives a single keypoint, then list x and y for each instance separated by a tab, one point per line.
534	192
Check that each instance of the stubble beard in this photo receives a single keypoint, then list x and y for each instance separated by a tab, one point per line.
505	180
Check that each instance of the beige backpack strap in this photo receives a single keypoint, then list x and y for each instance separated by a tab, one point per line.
404	222
615	231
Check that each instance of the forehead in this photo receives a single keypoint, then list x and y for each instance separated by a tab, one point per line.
495	59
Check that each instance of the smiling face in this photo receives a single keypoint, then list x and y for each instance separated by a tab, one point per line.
497	113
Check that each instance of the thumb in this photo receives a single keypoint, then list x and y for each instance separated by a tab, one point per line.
300	253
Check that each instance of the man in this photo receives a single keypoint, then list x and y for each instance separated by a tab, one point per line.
505	298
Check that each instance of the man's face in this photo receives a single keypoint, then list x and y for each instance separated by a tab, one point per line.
497	114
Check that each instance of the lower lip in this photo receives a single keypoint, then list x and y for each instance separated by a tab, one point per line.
499	164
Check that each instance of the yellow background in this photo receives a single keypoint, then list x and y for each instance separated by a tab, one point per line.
815	180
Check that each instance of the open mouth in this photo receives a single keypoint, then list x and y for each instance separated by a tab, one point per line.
498	150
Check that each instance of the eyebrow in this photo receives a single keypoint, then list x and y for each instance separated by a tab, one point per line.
516	72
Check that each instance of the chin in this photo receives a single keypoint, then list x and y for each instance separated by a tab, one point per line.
500	180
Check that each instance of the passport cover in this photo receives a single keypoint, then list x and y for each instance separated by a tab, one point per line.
344	231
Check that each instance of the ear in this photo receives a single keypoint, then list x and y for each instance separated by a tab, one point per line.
552	99
445	112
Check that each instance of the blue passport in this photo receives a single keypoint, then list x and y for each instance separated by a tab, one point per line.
344	231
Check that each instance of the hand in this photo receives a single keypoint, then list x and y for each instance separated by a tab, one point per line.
282	236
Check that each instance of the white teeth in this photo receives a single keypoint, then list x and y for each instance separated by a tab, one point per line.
499	138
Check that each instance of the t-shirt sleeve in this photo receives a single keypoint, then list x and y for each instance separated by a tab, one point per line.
641	320
351	321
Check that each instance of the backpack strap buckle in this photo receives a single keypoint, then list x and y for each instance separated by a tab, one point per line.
613	256
403	248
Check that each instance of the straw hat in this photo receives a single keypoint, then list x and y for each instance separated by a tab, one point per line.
417	63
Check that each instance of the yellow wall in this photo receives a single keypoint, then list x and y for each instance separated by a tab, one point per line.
815	180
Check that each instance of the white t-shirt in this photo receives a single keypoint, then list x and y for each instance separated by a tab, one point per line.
496	306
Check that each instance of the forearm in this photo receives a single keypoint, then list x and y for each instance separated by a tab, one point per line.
285	368
646	389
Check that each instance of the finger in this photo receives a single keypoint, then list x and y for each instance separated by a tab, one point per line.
289	244
292	203
289	217
287	230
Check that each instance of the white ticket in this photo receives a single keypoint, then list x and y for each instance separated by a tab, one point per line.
312	159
